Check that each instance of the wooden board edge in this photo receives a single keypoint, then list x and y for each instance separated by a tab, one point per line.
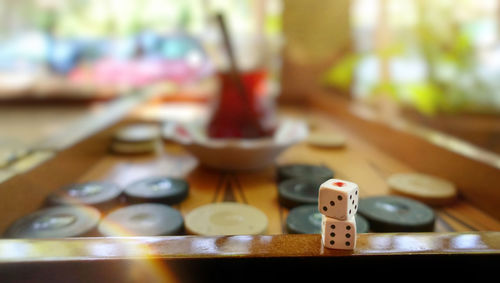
245	246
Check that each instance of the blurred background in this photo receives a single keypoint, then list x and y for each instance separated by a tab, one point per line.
436	63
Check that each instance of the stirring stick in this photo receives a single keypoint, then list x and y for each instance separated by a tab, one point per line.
233	67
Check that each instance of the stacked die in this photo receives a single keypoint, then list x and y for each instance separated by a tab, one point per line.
338	203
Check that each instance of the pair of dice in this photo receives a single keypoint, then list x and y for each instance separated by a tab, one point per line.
338	203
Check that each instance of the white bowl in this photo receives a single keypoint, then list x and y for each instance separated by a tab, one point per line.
236	154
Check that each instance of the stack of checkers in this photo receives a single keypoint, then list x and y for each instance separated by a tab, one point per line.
338	203
136	139
140	209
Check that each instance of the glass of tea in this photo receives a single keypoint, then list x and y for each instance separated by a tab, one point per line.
243	114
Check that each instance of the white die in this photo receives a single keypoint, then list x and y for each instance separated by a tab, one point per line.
338	199
338	234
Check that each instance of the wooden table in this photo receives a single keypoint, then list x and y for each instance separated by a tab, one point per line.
463	231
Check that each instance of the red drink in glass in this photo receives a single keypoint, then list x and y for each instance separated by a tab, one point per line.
240	115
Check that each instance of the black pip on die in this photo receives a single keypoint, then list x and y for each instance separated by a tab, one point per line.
338	202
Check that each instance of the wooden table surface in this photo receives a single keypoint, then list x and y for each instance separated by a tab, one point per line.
360	162
461	228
